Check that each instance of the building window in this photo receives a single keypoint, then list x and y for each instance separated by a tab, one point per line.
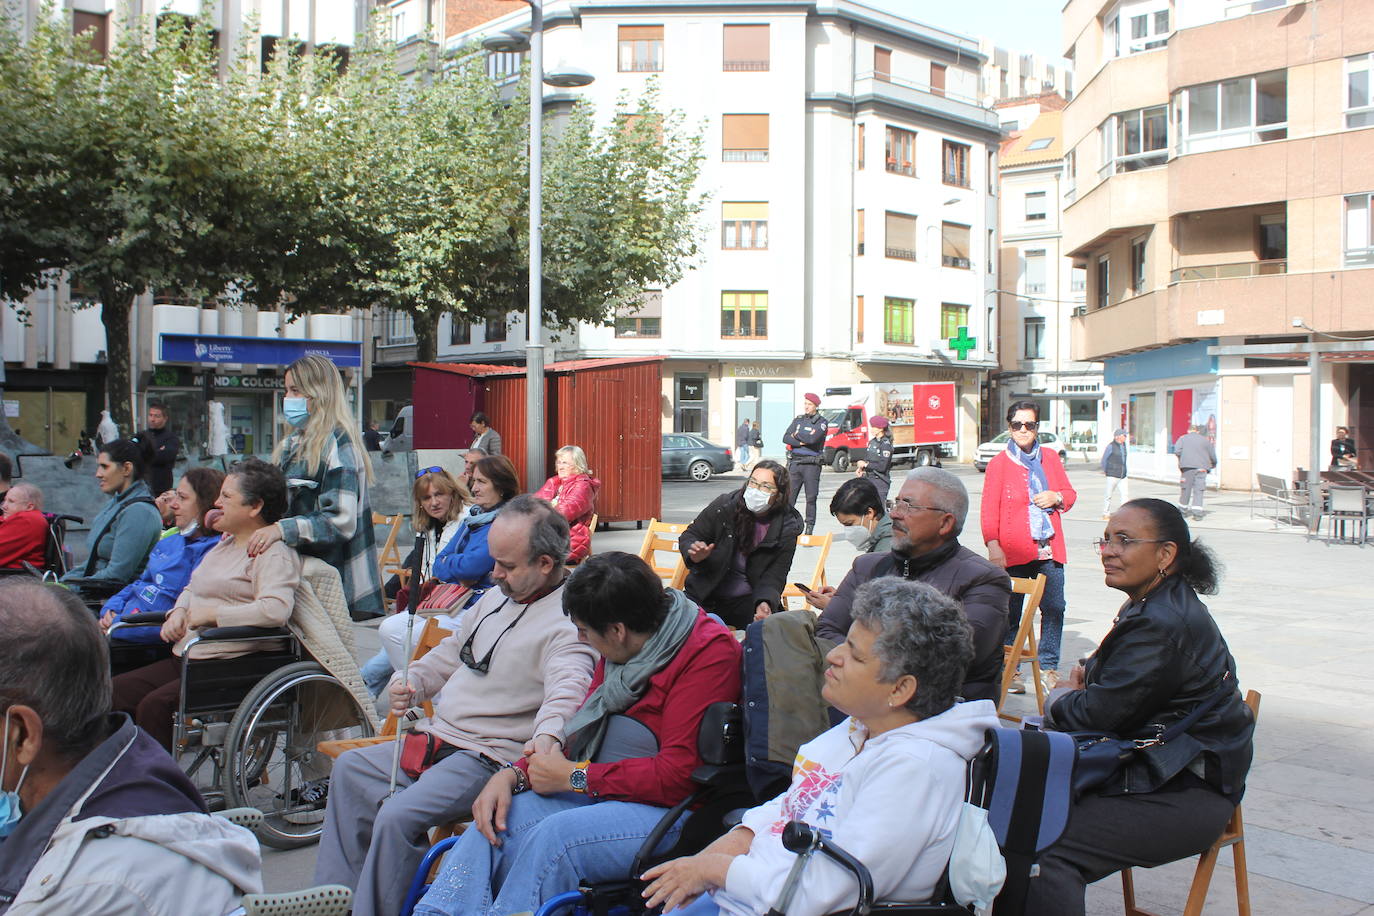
504	65
1148	31
643	319
952	318
1035	205
1035	338
1137	27
1104	283
1035	270
901	151
495	330
882	63
398	329
459	332
744	225
1273	237
992	173
992	248
99	26
1231	113
1359	102
1134	140
745	138
744	315
898	317
858	319
1078	279
641	48
954	246
1138	266
900	241
1359	230
1071	175
956	164
860	149
937	79
859	230
746	47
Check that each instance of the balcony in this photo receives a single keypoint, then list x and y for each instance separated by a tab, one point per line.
1134	324
904	168
901	254
968	112
951	261
744	155
1294	169
1229	271
748	66
1122	204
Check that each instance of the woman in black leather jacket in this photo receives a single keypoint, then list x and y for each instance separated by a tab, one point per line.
740	547
1163	656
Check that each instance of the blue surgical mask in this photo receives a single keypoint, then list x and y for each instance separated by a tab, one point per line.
10	811
296	410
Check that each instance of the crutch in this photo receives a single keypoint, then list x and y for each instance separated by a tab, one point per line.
417	571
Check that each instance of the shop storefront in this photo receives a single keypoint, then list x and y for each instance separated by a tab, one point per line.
1156	396
52	408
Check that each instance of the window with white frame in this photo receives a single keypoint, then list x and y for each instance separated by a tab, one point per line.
1231	113
1359	230
1071	174
1035	338
1035	270
398	328
1134	140
1138	266
1035	205
744	224
1078	279
1103	293
1130	28
1359	101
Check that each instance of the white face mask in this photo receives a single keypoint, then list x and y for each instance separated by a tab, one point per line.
755	500
857	535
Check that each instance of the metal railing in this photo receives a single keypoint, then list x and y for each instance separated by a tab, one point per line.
1229	271
951	261
750	65
905	254
745	155
904	168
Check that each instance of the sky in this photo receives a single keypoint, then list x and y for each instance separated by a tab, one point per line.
1017	25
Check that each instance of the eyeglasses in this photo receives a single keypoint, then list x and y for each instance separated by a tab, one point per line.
1017	425
1118	543
904	506
753	484
465	653
423	471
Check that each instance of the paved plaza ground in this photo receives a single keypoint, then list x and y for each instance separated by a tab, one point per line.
1298	622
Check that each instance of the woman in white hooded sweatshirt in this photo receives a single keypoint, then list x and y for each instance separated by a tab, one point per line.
885	784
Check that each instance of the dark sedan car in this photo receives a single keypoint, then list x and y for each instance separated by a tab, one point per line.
691	456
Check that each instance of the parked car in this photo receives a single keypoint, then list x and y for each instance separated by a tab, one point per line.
686	455
988	450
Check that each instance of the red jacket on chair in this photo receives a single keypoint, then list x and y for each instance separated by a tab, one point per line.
575	500
1005	501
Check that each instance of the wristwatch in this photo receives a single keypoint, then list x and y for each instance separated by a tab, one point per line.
578	777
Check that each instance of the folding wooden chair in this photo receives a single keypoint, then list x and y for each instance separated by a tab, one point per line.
822	543
389	557
1233	836
1024	644
591	532
662	538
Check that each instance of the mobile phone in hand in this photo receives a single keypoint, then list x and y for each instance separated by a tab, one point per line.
801	588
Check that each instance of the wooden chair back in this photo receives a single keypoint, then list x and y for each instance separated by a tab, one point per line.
661	537
389	556
1023	644
1233	836
821	544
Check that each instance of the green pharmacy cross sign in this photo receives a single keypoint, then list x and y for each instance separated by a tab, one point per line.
963	343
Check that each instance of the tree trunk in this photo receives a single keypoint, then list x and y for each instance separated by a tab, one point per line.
115	307
426	335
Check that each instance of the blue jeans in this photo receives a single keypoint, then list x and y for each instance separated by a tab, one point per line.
377	672
1051	609
743	455
551	843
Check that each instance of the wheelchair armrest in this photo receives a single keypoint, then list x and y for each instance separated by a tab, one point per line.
655	837
715	777
214	633
147	618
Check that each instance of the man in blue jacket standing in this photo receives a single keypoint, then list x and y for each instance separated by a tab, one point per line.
805	439
1114	467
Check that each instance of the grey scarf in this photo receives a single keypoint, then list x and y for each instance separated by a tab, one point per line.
624	684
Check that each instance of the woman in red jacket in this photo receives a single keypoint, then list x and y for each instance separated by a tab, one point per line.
1024	494
572	490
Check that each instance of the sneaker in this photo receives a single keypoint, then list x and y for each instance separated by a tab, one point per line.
1017	684
1049	680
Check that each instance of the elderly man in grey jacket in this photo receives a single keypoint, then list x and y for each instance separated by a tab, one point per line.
1196	457
107	823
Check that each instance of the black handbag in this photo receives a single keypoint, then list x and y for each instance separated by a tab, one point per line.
1101	755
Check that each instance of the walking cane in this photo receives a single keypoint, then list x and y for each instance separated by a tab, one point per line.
417	570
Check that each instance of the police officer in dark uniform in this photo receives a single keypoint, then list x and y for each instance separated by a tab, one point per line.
806	439
876	464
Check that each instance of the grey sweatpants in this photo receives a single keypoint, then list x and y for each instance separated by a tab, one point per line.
1193	486
373	844
1109	833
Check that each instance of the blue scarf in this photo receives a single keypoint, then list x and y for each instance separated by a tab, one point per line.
1041	528
476	517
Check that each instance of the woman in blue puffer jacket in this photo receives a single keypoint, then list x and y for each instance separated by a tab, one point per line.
172	560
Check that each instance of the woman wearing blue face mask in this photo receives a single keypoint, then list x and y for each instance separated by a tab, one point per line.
327	475
739	549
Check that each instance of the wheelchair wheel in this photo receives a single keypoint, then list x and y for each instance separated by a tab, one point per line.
270	749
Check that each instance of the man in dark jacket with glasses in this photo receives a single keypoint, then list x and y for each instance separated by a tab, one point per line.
511	677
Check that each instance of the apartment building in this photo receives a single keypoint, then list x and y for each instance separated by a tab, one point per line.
1218	175
850	233
54	364
1009	74
1041	289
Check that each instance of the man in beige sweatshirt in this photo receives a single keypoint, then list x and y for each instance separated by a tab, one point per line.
511	676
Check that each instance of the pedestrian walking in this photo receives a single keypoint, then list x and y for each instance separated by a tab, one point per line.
1114	469
805	439
876	464
758	441
743	437
1196	457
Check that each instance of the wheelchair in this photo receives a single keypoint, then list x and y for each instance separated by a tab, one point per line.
57	559
250	726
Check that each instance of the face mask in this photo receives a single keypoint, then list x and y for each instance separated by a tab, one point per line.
857	535
296	411
190	529
10	812
755	500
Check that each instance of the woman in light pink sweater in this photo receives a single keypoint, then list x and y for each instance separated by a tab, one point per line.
228	589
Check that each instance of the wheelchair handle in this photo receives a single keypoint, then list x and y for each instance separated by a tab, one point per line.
800	837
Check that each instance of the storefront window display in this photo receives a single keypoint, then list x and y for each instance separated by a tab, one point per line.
249	411
1142	423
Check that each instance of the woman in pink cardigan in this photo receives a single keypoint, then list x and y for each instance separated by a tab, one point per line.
572	490
1024	494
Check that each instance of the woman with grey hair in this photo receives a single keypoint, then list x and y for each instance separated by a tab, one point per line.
572	491
885	784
